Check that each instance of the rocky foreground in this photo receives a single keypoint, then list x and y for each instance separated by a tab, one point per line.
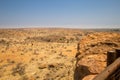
54	54
91	55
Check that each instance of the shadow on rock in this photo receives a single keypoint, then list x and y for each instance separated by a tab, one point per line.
80	72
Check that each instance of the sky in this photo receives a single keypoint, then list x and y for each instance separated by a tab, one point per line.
60	13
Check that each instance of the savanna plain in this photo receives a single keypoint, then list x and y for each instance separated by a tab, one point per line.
55	53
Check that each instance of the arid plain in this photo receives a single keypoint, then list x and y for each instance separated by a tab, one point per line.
51	54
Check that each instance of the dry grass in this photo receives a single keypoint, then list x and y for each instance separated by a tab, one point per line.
41	54
37	54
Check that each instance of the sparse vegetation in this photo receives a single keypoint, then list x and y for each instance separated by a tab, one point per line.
19	69
49	54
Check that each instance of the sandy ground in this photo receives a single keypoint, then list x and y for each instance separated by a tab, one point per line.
38	54
45	54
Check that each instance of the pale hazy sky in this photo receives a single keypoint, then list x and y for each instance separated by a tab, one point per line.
60	13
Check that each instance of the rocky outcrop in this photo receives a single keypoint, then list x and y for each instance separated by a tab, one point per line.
91	55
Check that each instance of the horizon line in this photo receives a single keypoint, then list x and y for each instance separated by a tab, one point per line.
60	27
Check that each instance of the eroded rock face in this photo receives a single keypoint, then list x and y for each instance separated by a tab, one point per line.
95	63
89	77
99	42
92	53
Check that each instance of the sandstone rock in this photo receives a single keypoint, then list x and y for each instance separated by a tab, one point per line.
89	77
93	48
